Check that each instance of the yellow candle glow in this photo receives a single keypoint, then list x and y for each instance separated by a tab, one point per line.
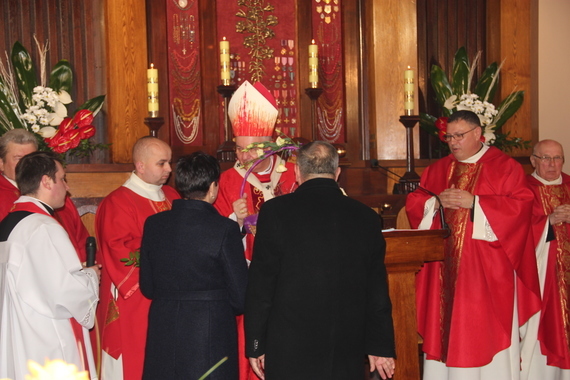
408	91
225	61
152	88
313	65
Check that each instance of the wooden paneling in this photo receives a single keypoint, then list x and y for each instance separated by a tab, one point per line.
391	47
126	75
512	31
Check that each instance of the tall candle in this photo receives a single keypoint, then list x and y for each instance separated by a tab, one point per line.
313	65
408	91
225	61
152	88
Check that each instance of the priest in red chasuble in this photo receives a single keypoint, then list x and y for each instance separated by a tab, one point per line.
14	145
470	306
549	358
253	112
123	310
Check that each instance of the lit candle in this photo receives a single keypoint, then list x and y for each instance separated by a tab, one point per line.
408	91
225	61
313	64
152	88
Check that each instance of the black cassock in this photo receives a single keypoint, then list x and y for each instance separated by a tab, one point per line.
193	269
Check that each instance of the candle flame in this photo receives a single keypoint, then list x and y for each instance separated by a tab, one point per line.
224	38
313	41
409	67
152	65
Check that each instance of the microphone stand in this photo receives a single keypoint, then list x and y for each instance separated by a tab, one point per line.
444	224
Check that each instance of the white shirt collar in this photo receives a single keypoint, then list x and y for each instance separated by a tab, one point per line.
10	180
146	190
474	158
557	181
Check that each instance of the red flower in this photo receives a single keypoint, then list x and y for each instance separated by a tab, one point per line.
72	131
441	124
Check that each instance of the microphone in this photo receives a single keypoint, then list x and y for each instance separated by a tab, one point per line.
90	248
444	225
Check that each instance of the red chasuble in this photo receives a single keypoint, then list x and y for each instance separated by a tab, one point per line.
230	185
554	330
465	303
67	216
119	223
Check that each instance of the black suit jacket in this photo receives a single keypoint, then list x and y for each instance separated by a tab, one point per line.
317	298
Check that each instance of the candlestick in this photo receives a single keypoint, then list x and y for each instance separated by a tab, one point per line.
152	88
313	65
225	61
408	91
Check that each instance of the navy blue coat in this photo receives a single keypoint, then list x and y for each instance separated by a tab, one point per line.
317	299
193	269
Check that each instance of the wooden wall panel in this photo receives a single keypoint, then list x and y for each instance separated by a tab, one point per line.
391	47
126	75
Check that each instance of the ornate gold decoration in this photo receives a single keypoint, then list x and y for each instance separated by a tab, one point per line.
259	29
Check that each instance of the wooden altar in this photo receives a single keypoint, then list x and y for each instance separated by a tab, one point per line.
406	252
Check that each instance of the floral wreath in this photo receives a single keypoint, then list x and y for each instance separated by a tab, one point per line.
41	108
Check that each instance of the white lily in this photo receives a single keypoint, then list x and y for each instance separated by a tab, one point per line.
450	102
64	97
60	113
47	132
489	137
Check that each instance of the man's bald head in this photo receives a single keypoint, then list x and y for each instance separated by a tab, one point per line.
151	157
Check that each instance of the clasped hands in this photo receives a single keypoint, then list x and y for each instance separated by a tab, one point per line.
561	214
455	199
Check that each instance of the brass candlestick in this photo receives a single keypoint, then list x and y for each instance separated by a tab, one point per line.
154	124
410	180
314	94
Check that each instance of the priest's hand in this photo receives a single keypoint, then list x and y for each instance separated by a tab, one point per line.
96	268
455	199
561	214
258	366
385	366
240	209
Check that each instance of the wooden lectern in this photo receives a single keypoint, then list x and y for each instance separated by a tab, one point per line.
406	252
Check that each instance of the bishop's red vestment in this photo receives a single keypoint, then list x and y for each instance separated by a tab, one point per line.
259	189
465	304
554	328
123	310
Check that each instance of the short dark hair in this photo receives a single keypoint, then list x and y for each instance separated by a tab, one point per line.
317	158
195	173
32	167
468	116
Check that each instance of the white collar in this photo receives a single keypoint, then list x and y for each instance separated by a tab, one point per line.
11	181
557	181
144	189
477	156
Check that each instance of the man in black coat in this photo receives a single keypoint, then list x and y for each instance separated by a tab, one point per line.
317	299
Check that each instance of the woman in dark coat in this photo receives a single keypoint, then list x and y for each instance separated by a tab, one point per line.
193	269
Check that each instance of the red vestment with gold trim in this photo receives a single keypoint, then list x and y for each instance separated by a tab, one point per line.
230	185
465	303
554	330
119	222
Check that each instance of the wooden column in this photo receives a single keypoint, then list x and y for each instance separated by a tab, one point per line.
126	75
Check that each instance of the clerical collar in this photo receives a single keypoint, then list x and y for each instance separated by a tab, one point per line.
11	181
27	198
474	158
146	190
48	208
557	181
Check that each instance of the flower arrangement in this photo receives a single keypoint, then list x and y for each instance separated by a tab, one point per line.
54	370
284	145
458	95
41	108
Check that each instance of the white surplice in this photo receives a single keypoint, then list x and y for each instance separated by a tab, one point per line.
42	287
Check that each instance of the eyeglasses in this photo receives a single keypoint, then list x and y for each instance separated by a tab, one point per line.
457	136
556	159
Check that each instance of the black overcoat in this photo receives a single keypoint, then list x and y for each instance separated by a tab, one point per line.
317	298
193	269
